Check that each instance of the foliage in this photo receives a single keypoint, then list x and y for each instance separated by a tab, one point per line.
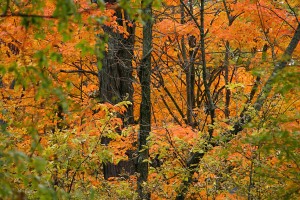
52	119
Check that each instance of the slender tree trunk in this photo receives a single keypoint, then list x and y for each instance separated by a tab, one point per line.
210	103
188	67
1	82
226	77
187	70
191	71
145	109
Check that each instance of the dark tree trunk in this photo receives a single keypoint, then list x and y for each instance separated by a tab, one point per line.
1	82
116	72
191	73
123	169
226	78
115	77
145	109
188	65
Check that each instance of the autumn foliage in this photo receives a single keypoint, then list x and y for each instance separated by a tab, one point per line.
224	93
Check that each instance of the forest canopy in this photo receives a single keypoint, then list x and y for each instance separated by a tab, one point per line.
150	99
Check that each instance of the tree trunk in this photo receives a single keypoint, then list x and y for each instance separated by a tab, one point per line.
145	109
116	72
115	77
226	78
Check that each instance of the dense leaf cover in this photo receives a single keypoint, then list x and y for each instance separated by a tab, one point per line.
225	107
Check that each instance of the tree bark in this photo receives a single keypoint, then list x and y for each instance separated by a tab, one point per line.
116	72
115	77
188	66
145	109
226	77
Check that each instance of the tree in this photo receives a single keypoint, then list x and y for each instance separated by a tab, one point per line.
242	57
115	77
115	73
246	118
145	109
217	99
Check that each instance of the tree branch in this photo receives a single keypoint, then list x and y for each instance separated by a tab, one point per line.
78	71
